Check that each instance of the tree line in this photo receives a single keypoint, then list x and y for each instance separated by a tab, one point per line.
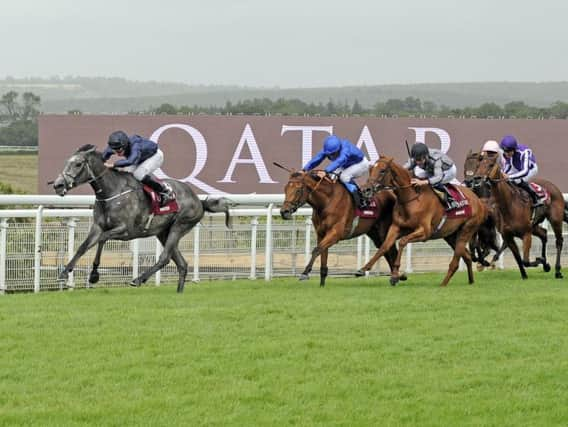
407	107
18	113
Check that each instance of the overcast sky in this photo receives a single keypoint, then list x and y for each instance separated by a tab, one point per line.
287	43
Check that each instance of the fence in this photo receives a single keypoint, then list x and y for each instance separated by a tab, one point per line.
36	243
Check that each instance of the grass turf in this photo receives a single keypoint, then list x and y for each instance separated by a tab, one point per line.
358	352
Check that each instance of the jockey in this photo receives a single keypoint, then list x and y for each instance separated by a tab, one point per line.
492	147
431	166
520	165
347	161
142	157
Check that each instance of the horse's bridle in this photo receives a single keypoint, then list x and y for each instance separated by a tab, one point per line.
377	186
69	179
299	194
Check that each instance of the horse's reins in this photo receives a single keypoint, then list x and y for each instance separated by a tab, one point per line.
300	192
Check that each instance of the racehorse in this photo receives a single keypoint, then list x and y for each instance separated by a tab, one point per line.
122	211
516	207
419	215
334	215
486	237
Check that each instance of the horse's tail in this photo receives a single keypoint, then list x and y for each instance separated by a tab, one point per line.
566	211
219	205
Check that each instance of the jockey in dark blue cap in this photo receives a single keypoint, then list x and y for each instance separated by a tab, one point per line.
347	161
142	157
520	165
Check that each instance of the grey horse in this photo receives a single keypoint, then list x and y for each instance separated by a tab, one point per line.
122	212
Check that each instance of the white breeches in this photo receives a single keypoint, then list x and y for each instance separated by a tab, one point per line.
530	175
147	167
353	171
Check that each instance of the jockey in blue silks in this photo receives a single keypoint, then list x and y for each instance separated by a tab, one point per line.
142	157
519	165
347	161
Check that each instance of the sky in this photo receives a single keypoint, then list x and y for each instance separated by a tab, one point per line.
287	43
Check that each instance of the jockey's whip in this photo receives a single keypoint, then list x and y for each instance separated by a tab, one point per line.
407	149
282	167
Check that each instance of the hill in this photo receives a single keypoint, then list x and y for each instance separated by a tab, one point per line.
117	95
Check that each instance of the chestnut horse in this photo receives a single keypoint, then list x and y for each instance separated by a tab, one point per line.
419	215
334	215
515	206
486	237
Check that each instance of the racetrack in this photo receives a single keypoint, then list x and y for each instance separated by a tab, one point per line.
358	352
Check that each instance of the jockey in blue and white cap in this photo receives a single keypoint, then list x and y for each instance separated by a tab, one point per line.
519	164
347	161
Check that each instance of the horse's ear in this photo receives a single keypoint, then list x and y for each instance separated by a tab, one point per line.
470	152
87	148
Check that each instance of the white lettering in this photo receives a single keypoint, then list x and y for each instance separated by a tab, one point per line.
307	133
367	140
201	156
248	138
444	137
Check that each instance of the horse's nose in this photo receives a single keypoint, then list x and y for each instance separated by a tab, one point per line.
285	214
59	186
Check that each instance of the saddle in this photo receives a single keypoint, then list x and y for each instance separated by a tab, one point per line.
156	209
363	208
541	192
455	202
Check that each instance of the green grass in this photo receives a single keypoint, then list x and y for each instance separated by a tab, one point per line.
243	353
20	171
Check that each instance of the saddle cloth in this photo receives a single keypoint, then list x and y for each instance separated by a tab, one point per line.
170	207
370	211
461	208
541	192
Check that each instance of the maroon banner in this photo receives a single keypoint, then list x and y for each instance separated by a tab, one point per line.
234	154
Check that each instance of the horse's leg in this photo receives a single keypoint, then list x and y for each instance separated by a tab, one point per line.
94	275
418	235
93	237
557	227
323	267
527	243
177	230
324	242
510	240
498	252
391	256
542	234
459	245
390	239
178	259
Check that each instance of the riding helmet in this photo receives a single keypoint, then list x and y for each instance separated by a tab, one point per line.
509	142
491	146
331	144
118	140
419	151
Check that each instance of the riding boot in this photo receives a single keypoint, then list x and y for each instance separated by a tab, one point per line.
163	189
354	190
446	196
532	194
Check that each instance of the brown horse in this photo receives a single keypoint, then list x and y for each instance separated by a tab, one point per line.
485	239
419	216
515	206
334	215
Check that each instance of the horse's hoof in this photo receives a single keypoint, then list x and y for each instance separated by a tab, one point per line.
480	267
93	277
524	276
546	267
393	281
303	277
403	277
135	283
359	273
558	275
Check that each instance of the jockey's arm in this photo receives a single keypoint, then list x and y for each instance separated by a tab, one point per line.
132	159
438	174
525	163
107	154
337	163
317	159
409	165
